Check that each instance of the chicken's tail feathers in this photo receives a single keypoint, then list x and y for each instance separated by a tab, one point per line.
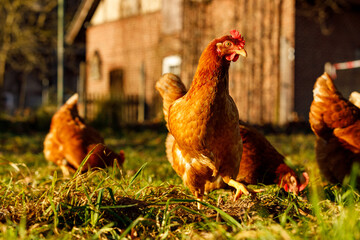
325	95
355	98
170	84
170	88
324	88
72	100
329	109
320	93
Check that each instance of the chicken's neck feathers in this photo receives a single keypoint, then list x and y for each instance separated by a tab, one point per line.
212	73
206	105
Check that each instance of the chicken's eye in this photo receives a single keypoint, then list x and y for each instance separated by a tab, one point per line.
227	44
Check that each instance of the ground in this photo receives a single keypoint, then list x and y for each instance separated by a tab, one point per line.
147	200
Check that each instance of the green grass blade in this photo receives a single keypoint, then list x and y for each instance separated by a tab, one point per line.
119	206
111	194
132	225
227	218
96	213
136	175
8	189
165	220
78	171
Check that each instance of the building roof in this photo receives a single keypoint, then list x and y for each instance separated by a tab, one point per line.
83	14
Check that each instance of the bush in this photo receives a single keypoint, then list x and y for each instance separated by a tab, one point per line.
42	117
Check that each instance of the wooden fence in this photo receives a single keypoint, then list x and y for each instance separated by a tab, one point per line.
112	109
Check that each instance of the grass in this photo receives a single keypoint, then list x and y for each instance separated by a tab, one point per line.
147	200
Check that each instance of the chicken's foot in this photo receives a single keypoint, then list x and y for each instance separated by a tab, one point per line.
241	189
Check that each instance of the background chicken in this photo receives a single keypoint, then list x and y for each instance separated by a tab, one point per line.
262	163
204	144
70	140
335	122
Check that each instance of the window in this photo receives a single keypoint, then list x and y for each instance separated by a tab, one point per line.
172	64
95	67
129	8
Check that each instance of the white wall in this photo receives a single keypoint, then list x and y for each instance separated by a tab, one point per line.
112	10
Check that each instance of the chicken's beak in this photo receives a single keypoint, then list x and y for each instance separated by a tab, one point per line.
241	52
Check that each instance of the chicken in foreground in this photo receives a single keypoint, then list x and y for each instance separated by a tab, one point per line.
260	162
204	144
70	140
336	124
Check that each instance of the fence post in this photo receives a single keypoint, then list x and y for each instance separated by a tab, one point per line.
286	64
81	89
60	54
142	89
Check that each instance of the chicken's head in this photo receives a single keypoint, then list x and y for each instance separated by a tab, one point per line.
231	46
288	179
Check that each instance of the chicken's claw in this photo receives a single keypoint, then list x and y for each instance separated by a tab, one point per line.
240	188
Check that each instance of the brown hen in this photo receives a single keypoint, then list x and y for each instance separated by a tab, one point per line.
262	163
70	140
336	124
204	144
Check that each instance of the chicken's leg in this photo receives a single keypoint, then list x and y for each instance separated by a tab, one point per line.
64	168
197	195
199	205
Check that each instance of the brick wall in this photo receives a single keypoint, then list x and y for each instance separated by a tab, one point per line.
135	45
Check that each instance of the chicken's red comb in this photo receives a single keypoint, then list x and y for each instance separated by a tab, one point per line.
236	35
